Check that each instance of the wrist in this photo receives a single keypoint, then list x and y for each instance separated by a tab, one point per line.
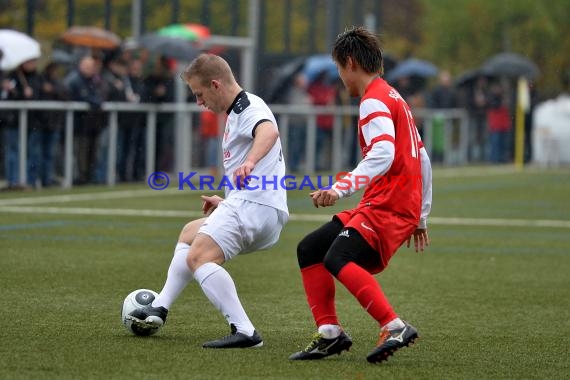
423	223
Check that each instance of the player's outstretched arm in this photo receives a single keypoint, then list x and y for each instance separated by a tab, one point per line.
266	135
420	235
426	187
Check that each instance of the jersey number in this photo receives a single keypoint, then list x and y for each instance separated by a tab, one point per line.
413	131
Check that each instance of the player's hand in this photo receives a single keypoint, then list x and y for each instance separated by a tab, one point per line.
421	239
242	172
210	203
324	198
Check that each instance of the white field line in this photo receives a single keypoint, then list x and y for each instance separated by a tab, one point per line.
79	197
32	200
147	192
87	211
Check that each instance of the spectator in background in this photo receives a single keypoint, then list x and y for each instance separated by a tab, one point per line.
28	76
297	96
9	125
83	86
404	87
115	77
411	88
134	138
499	122
350	146
159	88
32	82
323	93
209	132
22	84
52	88
124	83
477	103
442	96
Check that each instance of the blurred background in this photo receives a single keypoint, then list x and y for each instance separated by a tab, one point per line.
90	91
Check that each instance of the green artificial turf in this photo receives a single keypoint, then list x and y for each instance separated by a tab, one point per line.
489	301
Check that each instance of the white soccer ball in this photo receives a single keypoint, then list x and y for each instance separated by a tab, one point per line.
136	300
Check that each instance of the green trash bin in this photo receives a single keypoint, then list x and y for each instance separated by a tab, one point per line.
437	142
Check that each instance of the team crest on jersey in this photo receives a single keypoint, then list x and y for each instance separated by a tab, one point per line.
394	94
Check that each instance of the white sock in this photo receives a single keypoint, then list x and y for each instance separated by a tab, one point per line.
394	324
329	331
220	289
179	275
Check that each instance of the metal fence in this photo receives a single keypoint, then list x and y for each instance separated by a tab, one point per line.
455	132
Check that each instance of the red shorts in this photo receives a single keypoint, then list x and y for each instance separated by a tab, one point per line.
384	231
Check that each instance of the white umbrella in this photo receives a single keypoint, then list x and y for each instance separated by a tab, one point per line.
17	48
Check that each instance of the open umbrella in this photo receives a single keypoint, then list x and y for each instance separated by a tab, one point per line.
316	65
91	36
510	65
61	57
469	77
17	48
191	32
169	47
412	67
281	79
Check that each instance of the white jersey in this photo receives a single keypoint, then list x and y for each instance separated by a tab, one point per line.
245	114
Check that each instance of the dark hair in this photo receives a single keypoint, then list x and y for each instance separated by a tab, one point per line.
362	46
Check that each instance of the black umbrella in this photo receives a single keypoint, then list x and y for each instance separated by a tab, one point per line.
282	79
510	65
389	63
169	47
61	57
469	77
412	67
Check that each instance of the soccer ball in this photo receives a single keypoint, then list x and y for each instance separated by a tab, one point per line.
136	300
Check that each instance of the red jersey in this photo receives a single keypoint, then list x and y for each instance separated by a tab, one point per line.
390	171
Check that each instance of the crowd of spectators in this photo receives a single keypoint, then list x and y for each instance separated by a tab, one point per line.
95	78
487	100
127	76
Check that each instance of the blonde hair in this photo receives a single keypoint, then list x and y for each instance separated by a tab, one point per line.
208	67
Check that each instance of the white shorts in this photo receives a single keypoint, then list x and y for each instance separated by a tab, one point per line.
240	226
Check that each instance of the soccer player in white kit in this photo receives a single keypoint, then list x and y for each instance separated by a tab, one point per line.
250	217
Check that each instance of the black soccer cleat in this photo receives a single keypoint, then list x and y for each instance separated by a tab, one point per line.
392	341
236	340
321	347
149	316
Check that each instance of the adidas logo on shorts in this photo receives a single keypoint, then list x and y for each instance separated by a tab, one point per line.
344	233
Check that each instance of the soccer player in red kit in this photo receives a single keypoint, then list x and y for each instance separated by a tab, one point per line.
395	173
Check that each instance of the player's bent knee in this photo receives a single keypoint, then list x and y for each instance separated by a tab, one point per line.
204	250
306	255
334	262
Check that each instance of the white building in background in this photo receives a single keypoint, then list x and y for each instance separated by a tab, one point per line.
551	132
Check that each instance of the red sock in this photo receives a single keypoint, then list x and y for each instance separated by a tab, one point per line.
367	291
320	291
